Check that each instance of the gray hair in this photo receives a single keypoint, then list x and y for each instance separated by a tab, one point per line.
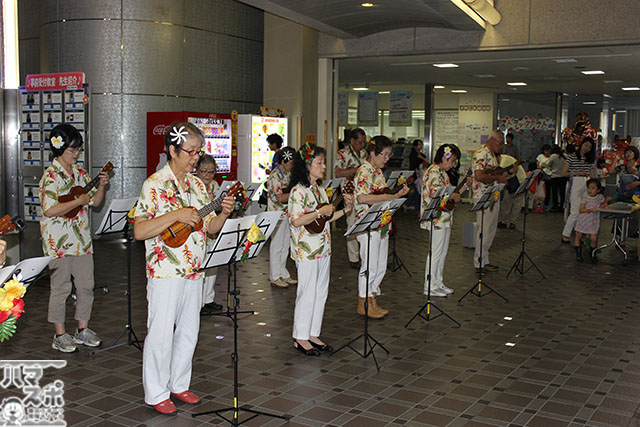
495	134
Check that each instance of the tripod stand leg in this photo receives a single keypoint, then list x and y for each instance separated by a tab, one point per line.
533	264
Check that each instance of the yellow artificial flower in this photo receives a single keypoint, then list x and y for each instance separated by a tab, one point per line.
401	180
132	212
329	192
636	198
496	196
386	217
254	234
11	290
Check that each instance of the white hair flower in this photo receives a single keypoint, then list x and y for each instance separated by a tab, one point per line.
447	152
57	141
287	156
178	135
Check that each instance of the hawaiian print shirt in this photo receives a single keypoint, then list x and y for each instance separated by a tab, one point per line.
161	194
481	160
62	236
434	179
368	179
349	158
305	245
277	181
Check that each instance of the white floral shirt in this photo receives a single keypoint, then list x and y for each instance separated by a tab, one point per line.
368	179
161	194
482	159
62	236
277	181
306	245
349	158
435	179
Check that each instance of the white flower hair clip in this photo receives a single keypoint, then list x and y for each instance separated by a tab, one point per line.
447	152
178	135
287	156
57	141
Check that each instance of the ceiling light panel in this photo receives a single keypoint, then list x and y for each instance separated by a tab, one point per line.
517	84
592	72
446	65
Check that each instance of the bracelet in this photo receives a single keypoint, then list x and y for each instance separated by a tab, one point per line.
317	214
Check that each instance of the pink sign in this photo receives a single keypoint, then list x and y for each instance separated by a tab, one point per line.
56	81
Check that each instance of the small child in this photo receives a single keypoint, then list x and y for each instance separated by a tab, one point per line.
589	218
602	173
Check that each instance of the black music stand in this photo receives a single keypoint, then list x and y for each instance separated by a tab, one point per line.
483	203
231	239
430	214
396	262
116	220
370	220
518	265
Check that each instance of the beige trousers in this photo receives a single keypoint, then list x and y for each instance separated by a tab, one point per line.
81	268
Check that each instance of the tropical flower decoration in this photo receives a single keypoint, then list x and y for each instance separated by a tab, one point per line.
329	192
57	142
636	198
447	152
496	197
11	307
385	222
287	156
178	135
306	152
132	216
254	235
371	146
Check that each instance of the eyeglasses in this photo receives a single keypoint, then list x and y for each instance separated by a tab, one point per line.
206	172
196	152
386	156
76	150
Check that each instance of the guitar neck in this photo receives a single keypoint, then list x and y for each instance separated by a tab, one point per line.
210	207
95	181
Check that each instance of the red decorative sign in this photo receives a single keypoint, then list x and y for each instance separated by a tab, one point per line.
56	81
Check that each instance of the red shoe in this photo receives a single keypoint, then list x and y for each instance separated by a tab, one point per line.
187	397
166	407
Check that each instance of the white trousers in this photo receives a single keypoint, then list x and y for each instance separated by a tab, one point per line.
311	296
378	256
208	285
510	208
173	323
439	249
352	242
279	250
578	190
489	233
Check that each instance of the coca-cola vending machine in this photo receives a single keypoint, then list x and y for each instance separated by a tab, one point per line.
220	134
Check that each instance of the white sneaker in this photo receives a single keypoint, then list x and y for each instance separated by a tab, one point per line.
63	343
279	283
449	291
87	337
290	281
437	292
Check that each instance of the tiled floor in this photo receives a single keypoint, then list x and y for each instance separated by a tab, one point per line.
575	358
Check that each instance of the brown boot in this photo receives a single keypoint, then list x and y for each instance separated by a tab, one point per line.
373	313
376	306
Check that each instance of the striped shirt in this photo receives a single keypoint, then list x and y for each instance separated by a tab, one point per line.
578	165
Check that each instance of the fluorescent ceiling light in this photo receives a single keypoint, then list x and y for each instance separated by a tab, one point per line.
613	81
458	91
621	111
517	84
565	60
360	88
384	92
592	72
484	76
607	95
367	5
589	102
11	60
446	65
631	88
485	9
438	87
462	5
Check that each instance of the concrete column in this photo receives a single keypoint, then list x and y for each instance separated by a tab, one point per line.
327	111
428	119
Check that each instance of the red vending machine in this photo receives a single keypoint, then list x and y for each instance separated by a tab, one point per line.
220	134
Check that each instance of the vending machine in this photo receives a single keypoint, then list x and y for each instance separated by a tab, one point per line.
220	134
254	156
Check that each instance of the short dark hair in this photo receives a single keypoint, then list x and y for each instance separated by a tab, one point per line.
545	147
208	160
71	138
437	159
634	150
378	143
416	142
355	133
601	162
300	171
276	139
510	135
284	157
596	182
169	140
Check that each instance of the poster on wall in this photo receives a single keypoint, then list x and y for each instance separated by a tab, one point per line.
368	109
400	107
445	128
343	108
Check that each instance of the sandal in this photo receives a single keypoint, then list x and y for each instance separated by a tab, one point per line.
322	347
313	351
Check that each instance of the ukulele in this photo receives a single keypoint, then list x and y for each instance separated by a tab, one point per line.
317	225
8	224
497	170
78	191
175	235
450	203
387	190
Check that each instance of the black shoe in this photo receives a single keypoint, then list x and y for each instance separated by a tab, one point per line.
311	352
354	265
490	267
210	308
566	242
578	250
512	226
502	225
325	347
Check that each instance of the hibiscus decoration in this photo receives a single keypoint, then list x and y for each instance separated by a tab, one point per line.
306	152
496	197
385	222
11	307
131	216
254	235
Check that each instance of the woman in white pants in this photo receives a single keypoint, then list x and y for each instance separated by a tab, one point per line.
579	169
310	251
174	284
435	179
277	199
370	180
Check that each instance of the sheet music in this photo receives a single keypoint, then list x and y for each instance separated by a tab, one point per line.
226	185
28	268
371	218
117	214
395	175
333	183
